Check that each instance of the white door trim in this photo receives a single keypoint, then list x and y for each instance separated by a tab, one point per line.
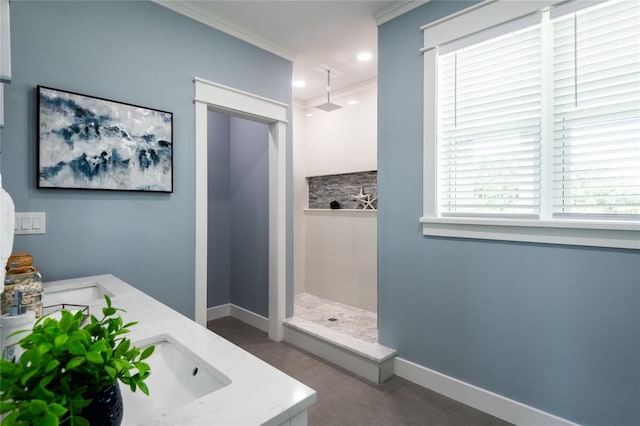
209	95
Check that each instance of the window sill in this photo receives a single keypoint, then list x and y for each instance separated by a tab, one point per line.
570	232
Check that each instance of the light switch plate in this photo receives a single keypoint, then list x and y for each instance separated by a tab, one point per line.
30	223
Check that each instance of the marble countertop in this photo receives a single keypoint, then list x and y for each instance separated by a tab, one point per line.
258	393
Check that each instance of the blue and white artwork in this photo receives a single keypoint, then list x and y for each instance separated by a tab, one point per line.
92	143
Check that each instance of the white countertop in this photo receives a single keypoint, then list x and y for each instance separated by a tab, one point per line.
258	393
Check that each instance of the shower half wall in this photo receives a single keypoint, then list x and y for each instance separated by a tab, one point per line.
341	251
341	244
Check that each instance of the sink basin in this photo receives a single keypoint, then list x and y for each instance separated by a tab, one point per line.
178	376
75	294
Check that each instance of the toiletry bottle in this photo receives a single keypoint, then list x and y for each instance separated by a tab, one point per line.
17	319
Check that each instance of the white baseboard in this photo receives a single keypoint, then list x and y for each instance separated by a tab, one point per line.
244	315
481	399
219	311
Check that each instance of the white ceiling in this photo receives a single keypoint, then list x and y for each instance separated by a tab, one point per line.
315	34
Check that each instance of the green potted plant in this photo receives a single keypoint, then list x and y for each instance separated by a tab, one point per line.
69	372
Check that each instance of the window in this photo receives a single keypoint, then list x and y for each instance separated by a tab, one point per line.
489	116
532	126
596	111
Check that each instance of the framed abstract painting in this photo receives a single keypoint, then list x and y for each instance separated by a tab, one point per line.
85	142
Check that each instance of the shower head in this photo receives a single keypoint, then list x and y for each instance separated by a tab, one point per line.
328	106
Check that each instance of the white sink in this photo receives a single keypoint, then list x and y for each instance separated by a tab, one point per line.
178	376
86	293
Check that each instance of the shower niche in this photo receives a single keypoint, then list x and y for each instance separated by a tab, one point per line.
352	191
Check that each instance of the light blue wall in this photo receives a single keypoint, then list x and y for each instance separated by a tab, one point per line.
137	52
555	327
238	260
249	183
219	211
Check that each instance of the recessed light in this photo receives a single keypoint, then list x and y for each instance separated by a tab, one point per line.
309	114
299	83
353	102
364	56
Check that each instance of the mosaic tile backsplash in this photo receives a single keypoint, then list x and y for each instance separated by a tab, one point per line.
341	188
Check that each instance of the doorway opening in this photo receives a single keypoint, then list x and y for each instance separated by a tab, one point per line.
216	97
238	218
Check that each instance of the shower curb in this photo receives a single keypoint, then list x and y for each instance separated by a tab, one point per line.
370	361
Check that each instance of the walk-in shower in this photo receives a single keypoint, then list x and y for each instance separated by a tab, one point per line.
338	289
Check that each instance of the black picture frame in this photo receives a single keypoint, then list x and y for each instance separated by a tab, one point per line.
87	142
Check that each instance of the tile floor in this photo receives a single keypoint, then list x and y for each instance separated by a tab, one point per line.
355	322
343	399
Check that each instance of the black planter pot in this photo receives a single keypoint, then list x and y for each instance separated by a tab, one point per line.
105	408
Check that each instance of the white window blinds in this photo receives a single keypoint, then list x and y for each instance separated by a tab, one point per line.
491	115
489	126
596	110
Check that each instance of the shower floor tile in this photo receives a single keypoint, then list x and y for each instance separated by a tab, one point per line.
336	316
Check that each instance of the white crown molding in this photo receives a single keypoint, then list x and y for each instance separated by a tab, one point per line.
213	21
345	91
395	11
226	27
299	103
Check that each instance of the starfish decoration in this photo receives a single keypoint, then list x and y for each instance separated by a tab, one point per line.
364	200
